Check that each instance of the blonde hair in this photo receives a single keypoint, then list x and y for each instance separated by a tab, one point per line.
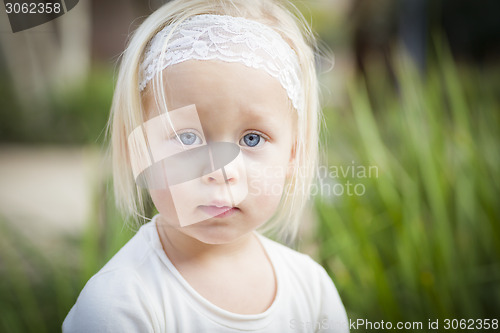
127	110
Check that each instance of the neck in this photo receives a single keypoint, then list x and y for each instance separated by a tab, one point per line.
181	247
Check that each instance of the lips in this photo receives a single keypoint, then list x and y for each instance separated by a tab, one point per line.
219	212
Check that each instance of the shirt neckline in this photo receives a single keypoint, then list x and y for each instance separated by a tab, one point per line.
210	310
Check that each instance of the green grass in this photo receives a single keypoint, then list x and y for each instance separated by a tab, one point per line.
423	242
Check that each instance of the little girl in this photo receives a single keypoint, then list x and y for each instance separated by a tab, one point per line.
215	118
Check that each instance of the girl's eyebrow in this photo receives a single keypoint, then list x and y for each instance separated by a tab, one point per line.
259	111
265	115
257	121
254	112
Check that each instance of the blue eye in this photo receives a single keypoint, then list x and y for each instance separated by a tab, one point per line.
251	139
189	138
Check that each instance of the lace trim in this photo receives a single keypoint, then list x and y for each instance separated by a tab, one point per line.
226	38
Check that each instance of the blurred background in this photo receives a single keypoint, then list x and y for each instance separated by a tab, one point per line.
410	88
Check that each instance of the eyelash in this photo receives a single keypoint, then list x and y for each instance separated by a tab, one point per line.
192	131
177	136
259	134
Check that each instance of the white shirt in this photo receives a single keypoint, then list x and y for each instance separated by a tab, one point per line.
140	290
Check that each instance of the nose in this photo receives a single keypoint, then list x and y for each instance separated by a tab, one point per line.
223	167
225	175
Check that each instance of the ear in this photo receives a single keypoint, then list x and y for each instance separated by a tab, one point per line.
292	160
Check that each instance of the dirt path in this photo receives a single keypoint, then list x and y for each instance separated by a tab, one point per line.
47	191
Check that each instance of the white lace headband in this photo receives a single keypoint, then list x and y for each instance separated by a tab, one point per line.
226	38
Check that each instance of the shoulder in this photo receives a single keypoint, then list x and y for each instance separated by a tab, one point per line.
116	298
111	301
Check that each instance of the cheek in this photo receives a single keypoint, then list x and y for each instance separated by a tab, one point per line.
163	202
266	180
265	196
268	172
266	184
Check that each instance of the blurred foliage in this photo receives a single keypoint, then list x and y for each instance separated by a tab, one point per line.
38	291
76	115
423	241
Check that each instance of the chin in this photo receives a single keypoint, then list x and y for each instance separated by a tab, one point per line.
215	232
215	237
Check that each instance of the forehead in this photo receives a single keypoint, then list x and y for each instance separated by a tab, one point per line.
216	85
